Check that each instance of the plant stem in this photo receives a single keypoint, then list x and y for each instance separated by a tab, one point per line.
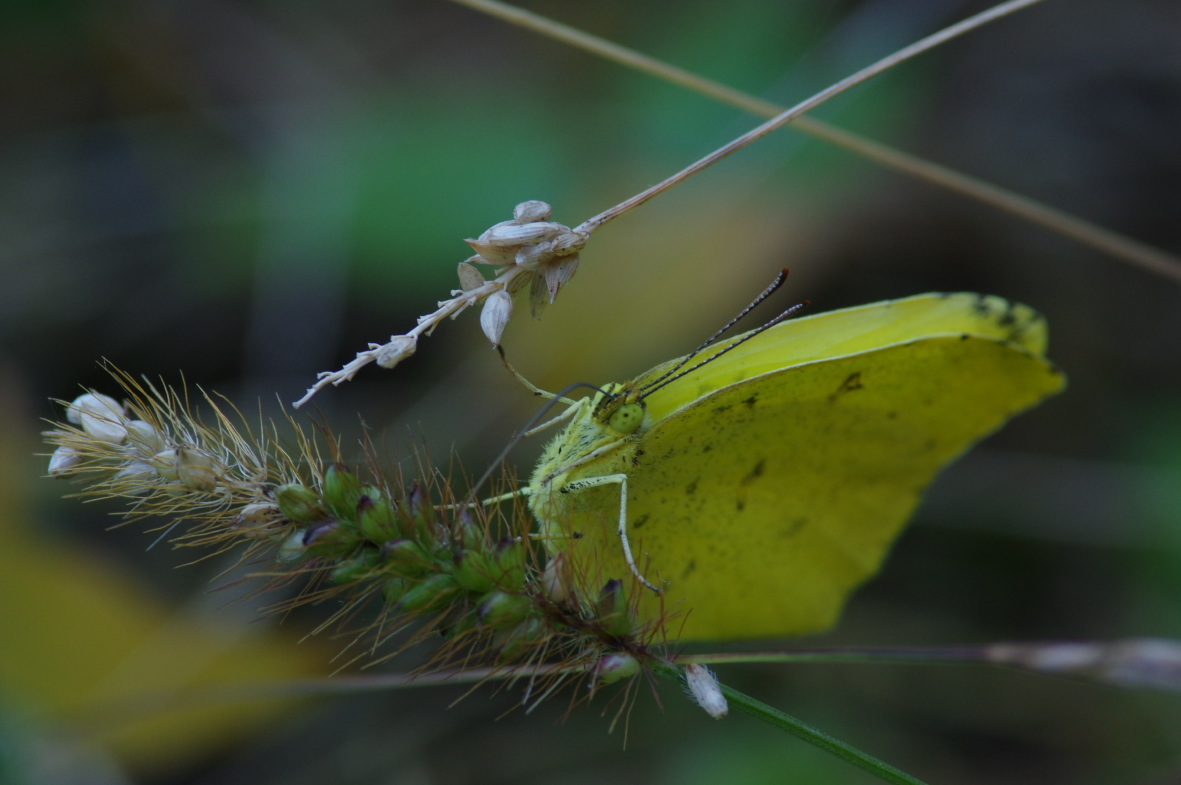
744	703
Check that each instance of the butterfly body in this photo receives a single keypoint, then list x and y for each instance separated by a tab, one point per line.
764	486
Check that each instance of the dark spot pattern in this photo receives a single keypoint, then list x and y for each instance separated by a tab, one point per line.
756	472
793	527
852	382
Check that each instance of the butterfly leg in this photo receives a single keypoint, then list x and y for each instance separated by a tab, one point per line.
621	480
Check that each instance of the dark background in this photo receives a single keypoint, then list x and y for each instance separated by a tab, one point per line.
246	193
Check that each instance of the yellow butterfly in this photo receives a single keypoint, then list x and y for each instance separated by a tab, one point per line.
759	489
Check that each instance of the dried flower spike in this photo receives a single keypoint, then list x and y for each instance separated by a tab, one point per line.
356	540
527	250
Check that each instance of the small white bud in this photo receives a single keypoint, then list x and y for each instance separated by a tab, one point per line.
136	469
165	464
495	315
292	548
617	666
568	242
510	234
63	461
558	273
398	349
488	253
91	402
532	210
469	277
144	437
555	579
100	416
257	514
195	470
703	686
532	257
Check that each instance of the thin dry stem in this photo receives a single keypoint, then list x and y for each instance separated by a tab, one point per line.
1114	244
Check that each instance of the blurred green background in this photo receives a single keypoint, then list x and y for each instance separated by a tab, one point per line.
246	193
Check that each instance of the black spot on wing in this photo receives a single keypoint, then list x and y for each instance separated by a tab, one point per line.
756	472
691	488
1008	319
639	522
690	568
792	528
751	401
852	382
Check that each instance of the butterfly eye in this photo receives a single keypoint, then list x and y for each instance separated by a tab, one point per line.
627	418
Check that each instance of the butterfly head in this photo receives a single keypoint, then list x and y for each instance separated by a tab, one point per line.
620	409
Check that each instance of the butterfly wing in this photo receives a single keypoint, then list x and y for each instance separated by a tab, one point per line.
848	331
763	504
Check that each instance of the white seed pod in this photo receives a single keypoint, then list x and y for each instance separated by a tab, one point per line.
568	242
616	666
165	464
136	469
195	470
498	307
292	548
91	402
556	578
558	273
144	437
257	514
491	254
469	277
100	416
532	257
63	461
510	233
532	210
706	691
398	349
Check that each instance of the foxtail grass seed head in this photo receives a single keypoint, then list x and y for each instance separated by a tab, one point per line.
436	568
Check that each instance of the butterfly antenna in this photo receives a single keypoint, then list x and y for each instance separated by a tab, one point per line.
674	371
662	381
779	279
